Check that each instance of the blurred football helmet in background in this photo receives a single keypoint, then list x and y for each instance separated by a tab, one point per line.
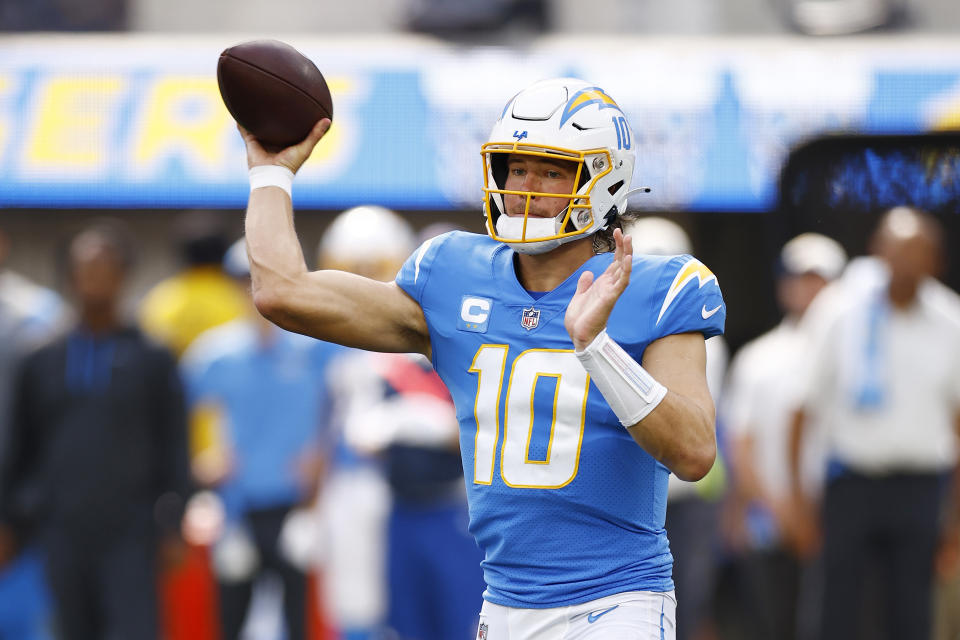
658	236
368	240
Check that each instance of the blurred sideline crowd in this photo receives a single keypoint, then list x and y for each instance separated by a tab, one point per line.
198	473
191	470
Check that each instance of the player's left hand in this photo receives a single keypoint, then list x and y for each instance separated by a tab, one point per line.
591	305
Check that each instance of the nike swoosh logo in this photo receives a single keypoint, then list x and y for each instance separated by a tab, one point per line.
593	617
706	314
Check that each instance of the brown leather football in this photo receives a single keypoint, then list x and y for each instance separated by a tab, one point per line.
273	90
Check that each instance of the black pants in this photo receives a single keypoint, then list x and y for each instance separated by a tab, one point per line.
104	590
890	522
692	529
235	597
772	580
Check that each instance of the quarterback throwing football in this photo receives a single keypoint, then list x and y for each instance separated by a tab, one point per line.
577	368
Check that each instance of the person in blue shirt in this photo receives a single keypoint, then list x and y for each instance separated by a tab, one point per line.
267	387
95	466
577	369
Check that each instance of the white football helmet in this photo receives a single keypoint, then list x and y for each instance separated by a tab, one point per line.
369	240
658	236
560	119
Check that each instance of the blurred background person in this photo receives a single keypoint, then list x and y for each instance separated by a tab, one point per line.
370	241
32	311
174	311
266	388
884	378
399	411
29	314
761	395
96	466
199	296
693	508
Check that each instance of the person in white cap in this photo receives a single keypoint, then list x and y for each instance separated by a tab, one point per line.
883	378
760	397
396	510
370	241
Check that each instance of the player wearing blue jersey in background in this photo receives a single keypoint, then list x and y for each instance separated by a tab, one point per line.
562	356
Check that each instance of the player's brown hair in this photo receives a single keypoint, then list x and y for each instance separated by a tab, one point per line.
603	239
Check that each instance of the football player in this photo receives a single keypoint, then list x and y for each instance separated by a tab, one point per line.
577	369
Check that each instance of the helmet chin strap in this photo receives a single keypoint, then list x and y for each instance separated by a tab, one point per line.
511	228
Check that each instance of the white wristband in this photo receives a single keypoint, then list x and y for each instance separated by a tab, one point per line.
630	391
271	175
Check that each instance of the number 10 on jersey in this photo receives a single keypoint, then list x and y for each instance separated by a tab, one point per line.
559	467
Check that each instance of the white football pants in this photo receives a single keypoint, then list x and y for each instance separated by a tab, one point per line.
633	615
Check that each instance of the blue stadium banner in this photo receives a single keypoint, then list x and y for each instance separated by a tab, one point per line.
137	121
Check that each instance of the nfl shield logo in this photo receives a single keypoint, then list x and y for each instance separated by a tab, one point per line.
482	631
530	318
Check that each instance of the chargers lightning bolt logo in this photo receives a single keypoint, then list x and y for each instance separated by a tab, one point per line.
519	135
691	270
584	97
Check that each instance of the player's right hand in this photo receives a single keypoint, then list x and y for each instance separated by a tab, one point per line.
292	157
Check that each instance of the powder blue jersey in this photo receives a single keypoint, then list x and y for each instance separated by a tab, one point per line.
272	397
565	505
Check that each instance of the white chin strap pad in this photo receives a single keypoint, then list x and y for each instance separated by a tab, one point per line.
511	228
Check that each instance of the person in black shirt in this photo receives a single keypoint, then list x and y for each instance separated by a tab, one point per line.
96	468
